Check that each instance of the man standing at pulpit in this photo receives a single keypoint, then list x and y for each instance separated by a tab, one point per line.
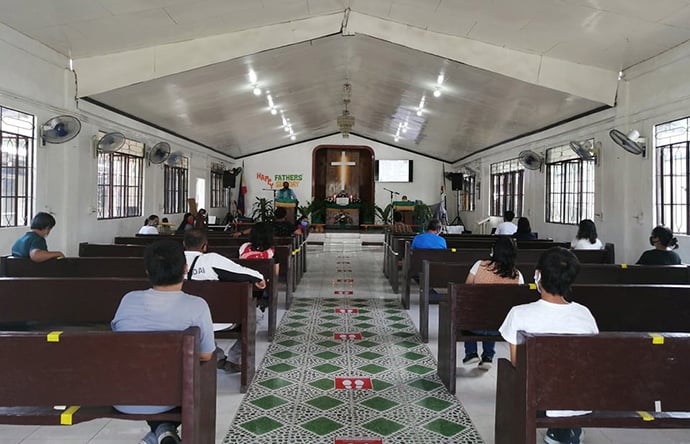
286	193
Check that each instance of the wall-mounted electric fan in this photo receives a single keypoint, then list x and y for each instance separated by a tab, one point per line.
585	149
159	153
60	129
631	142
111	142
530	160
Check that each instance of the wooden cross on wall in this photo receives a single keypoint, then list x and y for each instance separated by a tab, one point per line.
343	164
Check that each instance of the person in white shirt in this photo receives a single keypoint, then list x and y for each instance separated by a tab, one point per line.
507	227
556	270
150	225
586	238
204	266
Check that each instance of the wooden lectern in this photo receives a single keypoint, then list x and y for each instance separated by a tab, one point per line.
290	207
406	208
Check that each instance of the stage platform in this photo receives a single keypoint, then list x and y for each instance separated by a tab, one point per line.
345	239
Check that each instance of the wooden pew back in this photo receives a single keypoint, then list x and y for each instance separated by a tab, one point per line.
635	373
95	370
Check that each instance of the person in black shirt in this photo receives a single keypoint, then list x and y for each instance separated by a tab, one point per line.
281	227
664	243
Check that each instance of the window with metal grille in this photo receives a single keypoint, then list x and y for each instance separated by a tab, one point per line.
507	187
569	186
176	186
120	181
16	167
218	192
672	142
467	195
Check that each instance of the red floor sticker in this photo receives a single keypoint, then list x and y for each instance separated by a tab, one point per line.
352	383
344	271
343	292
343	263
349	280
347	310
348	336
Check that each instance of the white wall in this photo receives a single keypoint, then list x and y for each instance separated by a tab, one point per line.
38	82
297	160
652	92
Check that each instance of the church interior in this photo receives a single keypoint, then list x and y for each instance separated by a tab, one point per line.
462	110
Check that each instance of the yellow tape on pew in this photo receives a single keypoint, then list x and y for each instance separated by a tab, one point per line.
645	416
624	265
453	250
532	286
657	339
53	336
66	416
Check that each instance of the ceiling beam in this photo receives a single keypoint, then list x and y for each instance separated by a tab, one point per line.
584	81
111	71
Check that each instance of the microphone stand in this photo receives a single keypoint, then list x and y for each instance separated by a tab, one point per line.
392	193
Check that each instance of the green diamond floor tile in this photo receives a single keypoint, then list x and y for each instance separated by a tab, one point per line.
292	333
364	325
289	343
274	383
425	384
281	368
327	343
380	404
327	355
395	318
380	385
372	368
261	425
444	427
327	368
269	402
322	426
407	344
330	317
324	402
285	354
412	356
369	355
323	384
295	324
419	369
383	426
434	404
367	344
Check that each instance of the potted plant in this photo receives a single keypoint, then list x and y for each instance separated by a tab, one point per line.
262	210
318	211
305	210
421	215
384	214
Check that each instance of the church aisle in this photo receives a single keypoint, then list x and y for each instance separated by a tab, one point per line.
294	397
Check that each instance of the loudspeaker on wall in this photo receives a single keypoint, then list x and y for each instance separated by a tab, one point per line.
228	179
456	181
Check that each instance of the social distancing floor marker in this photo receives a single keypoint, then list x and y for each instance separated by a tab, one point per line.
347	336
340	310
353	383
343	292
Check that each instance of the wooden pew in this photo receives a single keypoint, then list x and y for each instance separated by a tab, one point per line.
283	256
440	274
633	308
621	377
95	370
77	301
127	267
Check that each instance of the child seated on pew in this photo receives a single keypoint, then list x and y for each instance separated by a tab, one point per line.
556	271
164	307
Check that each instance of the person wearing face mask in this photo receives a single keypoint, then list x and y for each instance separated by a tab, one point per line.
286	193
33	243
664	243
556	271
150	226
303	226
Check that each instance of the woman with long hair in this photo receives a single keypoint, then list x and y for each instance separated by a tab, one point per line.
524	230
664	243
586	237
499	269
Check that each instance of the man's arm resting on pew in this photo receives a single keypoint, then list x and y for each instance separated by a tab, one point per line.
205	356
37	255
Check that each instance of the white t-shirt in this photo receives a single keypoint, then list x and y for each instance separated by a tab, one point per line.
507	228
148	229
547	317
585	244
208	265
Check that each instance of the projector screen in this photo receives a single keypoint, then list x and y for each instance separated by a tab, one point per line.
393	170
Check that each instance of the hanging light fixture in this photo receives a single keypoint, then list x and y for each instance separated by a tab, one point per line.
346	121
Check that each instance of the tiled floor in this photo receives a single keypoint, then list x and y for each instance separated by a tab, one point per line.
314	412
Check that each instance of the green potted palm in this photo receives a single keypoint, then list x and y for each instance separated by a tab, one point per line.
262	210
421	215
318	211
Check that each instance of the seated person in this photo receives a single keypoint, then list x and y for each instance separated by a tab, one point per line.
664	243
431	239
204	266
150	225
399	226
506	227
524	230
281	227
164	307
33	243
586	237
556	271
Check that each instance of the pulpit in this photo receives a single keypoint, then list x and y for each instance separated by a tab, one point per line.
406	208
342	211
290	206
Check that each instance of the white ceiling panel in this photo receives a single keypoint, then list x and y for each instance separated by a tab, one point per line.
647	10
126	6
318	7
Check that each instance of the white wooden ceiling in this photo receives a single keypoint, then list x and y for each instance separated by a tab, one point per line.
511	67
